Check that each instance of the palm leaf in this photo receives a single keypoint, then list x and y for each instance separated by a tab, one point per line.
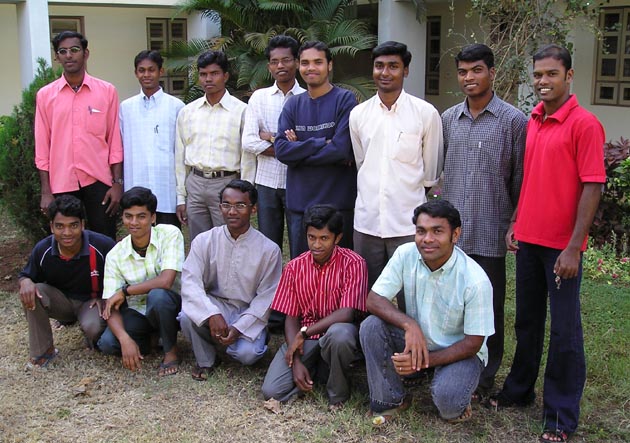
362	87
325	10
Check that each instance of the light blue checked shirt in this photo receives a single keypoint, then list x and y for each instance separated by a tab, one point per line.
123	265
147	125
447	303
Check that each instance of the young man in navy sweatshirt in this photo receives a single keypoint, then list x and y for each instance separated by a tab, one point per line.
314	142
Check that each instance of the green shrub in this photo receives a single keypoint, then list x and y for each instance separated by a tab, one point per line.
19	179
612	220
604	263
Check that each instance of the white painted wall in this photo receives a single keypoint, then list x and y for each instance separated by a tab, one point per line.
10	89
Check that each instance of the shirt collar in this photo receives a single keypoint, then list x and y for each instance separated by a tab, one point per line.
127	246
401	98
295	90
88	81
156	96
241	238
329	262
85	245
561	114
225	102
450	263
493	107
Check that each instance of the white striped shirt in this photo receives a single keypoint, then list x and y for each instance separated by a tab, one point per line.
263	109
147	125
209	137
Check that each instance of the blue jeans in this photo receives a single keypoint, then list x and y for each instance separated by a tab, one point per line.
163	306
297	233
452	385
565	373
271	207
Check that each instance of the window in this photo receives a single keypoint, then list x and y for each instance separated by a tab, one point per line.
432	74
161	34
612	76
59	24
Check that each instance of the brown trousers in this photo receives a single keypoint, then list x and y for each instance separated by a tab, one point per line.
54	304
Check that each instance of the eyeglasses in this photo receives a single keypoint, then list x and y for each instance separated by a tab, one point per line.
285	61
72	49
238	206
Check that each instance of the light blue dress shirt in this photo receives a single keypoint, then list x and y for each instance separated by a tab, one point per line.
448	303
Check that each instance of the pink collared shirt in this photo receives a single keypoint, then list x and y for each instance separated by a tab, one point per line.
77	135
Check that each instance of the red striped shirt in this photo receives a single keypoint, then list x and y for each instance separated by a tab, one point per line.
311	292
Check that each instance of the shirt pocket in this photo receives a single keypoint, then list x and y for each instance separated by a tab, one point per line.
96	123
406	148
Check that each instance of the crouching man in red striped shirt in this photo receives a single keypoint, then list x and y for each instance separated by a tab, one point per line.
319	291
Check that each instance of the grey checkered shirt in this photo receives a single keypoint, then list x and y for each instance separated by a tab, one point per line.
483	172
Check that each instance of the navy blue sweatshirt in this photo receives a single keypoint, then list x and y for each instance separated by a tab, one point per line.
318	172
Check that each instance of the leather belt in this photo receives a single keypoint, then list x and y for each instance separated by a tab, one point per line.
212	174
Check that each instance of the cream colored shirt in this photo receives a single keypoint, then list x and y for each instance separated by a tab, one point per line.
209	137
398	153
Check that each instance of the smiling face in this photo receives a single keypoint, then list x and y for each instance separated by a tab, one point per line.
138	221
314	68
282	65
238	211
552	83
389	72
148	74
68	233
435	240
321	243
73	63
475	78
212	79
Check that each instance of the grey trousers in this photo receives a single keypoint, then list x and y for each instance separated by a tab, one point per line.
338	348
202	202
55	304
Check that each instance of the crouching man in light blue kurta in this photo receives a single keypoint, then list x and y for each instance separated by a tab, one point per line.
228	282
449	316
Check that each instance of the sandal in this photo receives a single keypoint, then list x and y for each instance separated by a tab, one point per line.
384	417
556	436
42	361
200	373
465	416
164	370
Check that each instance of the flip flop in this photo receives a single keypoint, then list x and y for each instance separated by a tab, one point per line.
200	373
42	361
164	367
560	436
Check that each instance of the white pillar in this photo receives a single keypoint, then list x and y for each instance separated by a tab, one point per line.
397	21
33	37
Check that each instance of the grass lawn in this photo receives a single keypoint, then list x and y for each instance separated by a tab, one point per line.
89	397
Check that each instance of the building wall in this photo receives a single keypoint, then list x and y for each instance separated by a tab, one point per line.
10	74
115	36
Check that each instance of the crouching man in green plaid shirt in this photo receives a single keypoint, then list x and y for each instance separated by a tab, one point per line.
142	286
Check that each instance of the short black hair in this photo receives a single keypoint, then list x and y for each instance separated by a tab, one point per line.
556	52
282	41
67	205
393	48
154	56
475	52
68	34
244	186
439	209
321	216
214	57
139	196
320	46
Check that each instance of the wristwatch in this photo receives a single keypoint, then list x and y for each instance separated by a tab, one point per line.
272	139
303	332
125	291
120	181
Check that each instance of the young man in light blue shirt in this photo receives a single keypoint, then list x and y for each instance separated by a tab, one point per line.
147	125
449	316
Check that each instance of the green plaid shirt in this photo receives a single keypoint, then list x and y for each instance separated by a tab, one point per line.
125	266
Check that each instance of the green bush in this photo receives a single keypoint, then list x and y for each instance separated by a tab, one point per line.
19	179
612	220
